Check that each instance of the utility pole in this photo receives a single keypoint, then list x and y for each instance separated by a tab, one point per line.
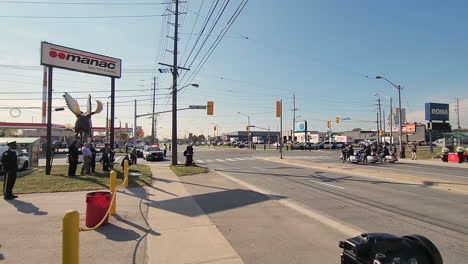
135	125
458	116
293	134
379	122
281	130
174	85
391	124
154	110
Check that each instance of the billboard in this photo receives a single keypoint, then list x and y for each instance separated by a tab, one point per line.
436	111
78	60
300	126
408	128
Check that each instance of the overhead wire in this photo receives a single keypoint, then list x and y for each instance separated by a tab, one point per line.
80	3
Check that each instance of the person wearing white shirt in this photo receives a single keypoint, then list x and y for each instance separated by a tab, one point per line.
87	155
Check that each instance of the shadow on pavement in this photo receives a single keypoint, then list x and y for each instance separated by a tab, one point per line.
117	233
26	208
213	202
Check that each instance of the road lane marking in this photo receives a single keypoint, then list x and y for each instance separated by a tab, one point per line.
331	185
200	161
239	158
340	227
230	159
220	160
209	160
250	158
259	158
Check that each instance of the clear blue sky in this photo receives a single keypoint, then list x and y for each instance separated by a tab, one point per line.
320	50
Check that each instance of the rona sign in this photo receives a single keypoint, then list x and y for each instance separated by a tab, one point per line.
78	60
437	112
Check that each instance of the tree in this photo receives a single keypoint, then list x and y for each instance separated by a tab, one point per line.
356	129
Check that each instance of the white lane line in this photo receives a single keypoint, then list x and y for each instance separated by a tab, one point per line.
258	168
341	227
231	159
331	185
239	159
220	160
259	158
250	158
199	161
209	160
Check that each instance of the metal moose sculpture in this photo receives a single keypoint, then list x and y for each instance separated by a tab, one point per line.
83	122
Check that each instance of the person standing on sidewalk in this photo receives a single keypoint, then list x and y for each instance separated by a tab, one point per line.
188	153
10	167
414	148
460	152
87	155
72	158
444	154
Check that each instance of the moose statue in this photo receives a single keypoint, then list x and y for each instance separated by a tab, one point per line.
83	122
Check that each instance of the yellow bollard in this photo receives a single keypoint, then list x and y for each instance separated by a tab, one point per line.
71	238
125	183
112	187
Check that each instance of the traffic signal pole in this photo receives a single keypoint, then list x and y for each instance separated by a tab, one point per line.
174	85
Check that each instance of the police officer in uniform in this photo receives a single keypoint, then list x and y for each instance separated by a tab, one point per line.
72	158
460	152
10	167
444	153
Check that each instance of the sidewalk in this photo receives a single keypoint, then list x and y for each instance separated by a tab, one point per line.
187	234
435	162
31	229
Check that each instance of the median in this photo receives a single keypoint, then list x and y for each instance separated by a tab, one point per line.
59	181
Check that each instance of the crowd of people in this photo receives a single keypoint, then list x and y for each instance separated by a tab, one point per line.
89	158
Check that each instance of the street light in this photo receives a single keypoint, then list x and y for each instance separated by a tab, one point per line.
196	85
400	136
248	126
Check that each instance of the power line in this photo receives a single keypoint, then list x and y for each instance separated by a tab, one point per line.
78	3
80	17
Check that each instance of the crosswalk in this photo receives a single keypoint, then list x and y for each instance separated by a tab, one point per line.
230	159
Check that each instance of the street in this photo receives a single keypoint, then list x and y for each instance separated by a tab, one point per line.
315	209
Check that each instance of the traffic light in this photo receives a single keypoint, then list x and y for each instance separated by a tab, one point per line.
210	108
338	119
247	128
278	108
329	123
381	133
214	128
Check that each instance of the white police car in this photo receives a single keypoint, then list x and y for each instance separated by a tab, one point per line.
153	152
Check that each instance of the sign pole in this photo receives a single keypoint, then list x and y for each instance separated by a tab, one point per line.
49	123
112	117
430	136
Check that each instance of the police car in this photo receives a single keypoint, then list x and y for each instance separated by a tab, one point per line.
23	159
153	152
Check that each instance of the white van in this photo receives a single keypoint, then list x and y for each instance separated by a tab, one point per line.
23	163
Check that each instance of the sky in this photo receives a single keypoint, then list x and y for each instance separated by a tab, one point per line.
325	52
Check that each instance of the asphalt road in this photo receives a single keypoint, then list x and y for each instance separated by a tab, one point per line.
348	202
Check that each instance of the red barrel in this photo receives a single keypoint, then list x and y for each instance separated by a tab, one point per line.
97	204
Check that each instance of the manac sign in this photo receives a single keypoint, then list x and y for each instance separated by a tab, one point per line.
439	112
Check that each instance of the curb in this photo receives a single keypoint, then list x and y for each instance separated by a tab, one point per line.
380	174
